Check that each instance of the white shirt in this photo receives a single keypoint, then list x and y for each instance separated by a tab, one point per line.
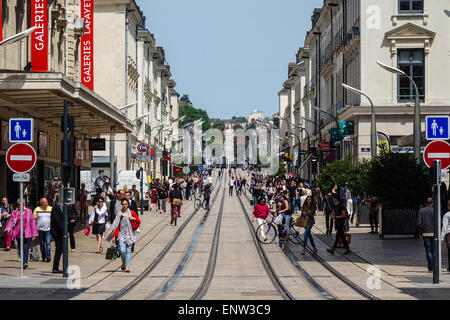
445	225
101	212
210	180
302	200
231	182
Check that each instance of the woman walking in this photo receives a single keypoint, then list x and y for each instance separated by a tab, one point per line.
308	211
286	212
6	214
261	212
122	229
154	198
98	220
29	230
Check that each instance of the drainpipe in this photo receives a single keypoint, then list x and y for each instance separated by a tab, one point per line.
128	167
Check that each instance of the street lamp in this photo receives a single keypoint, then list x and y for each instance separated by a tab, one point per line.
18	36
128	106
373	128
416	131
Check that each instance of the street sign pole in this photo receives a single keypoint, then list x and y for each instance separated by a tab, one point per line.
437	220
21	229
65	178
141	199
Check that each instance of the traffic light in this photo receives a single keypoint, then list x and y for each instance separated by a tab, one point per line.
165	167
67	162
347	128
335	135
165	154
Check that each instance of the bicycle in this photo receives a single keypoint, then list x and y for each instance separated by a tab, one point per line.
271	232
174	214
200	203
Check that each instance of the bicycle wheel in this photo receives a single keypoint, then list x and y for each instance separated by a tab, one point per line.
266	233
295	236
197	204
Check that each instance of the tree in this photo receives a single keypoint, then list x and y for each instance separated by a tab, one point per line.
243	119
193	114
338	172
218	124
185	98
398	181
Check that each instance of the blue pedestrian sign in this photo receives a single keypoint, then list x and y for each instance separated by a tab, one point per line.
437	127
200	168
21	130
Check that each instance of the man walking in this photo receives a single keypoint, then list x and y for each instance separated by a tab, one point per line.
339	215
136	196
42	214
57	231
425	222
231	186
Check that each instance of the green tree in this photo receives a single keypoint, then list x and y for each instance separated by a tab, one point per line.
399	181
338	172
218	124
192	114
244	119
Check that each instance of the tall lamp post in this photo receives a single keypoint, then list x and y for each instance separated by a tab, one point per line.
416	131
373	128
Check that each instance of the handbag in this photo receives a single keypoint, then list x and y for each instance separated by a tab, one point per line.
134	225
87	231
177	202
301	222
34	254
348	237
111	253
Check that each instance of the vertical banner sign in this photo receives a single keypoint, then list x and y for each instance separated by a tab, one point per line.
1	21
87	44
39	38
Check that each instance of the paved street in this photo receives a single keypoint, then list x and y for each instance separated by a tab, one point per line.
239	273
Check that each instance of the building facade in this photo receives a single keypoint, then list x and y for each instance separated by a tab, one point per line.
346	39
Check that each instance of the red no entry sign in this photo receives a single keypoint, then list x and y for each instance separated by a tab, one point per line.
21	157
437	150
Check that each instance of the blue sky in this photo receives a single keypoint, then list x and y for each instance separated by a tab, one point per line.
230	56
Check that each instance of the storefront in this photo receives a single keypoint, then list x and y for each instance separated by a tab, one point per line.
41	96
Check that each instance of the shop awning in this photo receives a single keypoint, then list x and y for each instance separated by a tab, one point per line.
41	96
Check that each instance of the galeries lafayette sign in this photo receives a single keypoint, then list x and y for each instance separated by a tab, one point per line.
39	38
87	44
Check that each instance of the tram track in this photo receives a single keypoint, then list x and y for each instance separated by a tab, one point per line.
165	289
125	290
326	265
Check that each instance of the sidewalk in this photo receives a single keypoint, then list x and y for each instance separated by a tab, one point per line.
401	259
45	285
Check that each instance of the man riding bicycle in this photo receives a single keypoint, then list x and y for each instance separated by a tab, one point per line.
175	201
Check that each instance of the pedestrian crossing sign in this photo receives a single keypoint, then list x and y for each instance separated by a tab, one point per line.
437	127
21	130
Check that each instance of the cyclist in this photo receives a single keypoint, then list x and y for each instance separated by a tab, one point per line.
285	210
206	196
175	200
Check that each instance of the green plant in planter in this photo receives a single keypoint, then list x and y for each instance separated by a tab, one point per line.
398	181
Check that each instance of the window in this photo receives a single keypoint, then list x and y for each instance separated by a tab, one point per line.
413	64
410	6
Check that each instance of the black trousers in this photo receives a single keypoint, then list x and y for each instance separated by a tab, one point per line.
72	237
231	190
373	220
58	251
328	222
340	234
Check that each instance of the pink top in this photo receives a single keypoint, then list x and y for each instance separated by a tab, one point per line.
261	211
29	225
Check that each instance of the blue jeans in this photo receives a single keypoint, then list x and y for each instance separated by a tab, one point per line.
44	240
308	235
255	199
292	204
26	247
428	243
287	221
125	253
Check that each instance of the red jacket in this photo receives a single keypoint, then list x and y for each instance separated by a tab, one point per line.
134	214
260	211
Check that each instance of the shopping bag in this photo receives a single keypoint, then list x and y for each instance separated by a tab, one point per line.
111	253
279	219
87	231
